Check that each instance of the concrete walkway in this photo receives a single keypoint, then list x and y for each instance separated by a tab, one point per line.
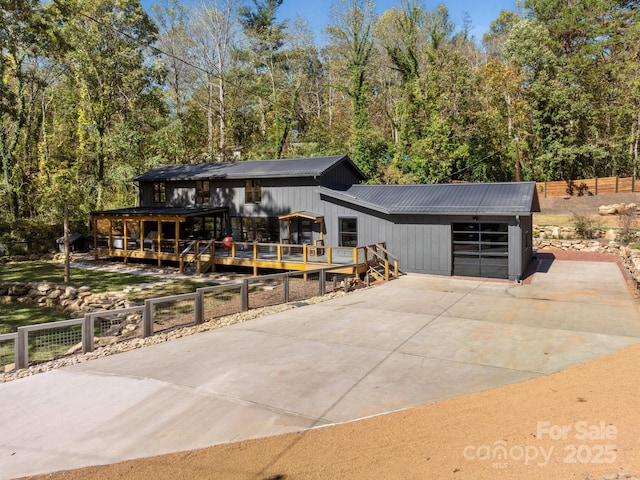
413	341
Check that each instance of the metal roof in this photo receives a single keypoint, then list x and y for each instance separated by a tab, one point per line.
159	212
516	198
291	167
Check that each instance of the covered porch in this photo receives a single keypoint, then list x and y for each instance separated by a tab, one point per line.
155	233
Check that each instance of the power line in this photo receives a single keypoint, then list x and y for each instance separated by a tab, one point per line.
134	39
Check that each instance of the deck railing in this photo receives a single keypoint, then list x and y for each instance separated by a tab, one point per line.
204	253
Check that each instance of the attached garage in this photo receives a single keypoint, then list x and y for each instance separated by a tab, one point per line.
469	229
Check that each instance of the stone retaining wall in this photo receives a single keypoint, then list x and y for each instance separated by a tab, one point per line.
61	297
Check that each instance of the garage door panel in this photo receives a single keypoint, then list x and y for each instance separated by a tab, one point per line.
481	249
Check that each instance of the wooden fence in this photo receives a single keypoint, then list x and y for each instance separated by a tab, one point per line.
590	186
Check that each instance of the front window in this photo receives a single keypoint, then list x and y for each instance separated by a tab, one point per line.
203	195
348	232
252	191
159	193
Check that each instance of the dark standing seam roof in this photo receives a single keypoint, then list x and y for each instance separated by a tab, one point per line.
517	198
293	167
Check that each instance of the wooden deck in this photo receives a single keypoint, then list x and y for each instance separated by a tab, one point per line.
205	255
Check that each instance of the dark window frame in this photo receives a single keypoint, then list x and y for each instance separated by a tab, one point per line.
253	191
159	192
203	192
346	237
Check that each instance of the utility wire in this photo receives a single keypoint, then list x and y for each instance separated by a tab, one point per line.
134	39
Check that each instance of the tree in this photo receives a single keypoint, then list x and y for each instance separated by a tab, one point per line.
215	40
266	37
351	35
25	32
106	67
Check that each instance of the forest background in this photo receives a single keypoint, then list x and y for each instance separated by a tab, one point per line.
94	92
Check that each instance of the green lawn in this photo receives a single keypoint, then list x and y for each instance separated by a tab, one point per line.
14	315
97	281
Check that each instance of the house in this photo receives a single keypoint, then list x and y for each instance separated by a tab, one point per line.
319	206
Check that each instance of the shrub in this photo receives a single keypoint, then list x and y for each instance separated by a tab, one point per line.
628	222
584	225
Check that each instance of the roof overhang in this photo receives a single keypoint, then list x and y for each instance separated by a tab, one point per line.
159	213
316	217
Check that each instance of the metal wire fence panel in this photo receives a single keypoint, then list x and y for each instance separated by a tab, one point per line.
47	344
7	350
266	290
219	302
172	312
121	325
303	285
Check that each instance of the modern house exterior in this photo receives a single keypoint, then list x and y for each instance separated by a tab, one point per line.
482	229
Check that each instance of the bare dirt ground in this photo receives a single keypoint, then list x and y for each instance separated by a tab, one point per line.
559	211
581	423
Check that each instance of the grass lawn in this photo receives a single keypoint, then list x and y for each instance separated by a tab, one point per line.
14	315
97	281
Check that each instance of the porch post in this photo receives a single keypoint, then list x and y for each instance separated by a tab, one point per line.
177	246
125	242
110	236
159	233
95	238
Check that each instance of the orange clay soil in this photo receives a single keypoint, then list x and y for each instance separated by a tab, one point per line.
581	423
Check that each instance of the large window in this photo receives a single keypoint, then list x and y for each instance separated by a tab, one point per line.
249	229
348	232
159	193
252	191
203	195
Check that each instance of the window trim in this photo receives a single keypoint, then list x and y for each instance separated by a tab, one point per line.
203	192
341	232
253	191
159	192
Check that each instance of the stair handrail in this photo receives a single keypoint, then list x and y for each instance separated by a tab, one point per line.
375	250
188	249
205	249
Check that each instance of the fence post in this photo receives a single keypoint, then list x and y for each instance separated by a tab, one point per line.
22	345
244	295
88	328
285	282
322	282
596	186
617	183
147	319
199	306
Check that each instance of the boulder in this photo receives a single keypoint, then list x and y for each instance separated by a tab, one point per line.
610	234
608	209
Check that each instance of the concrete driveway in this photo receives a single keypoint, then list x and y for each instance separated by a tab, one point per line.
413	341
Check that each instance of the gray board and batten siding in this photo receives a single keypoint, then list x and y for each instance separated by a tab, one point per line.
227	181
417	222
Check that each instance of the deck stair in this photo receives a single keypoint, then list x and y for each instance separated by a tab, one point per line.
383	265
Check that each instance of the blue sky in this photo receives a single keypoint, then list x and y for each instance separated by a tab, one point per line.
481	12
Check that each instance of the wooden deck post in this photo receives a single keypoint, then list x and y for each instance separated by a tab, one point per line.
177	245
255	259
158	240
125	242
95	238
